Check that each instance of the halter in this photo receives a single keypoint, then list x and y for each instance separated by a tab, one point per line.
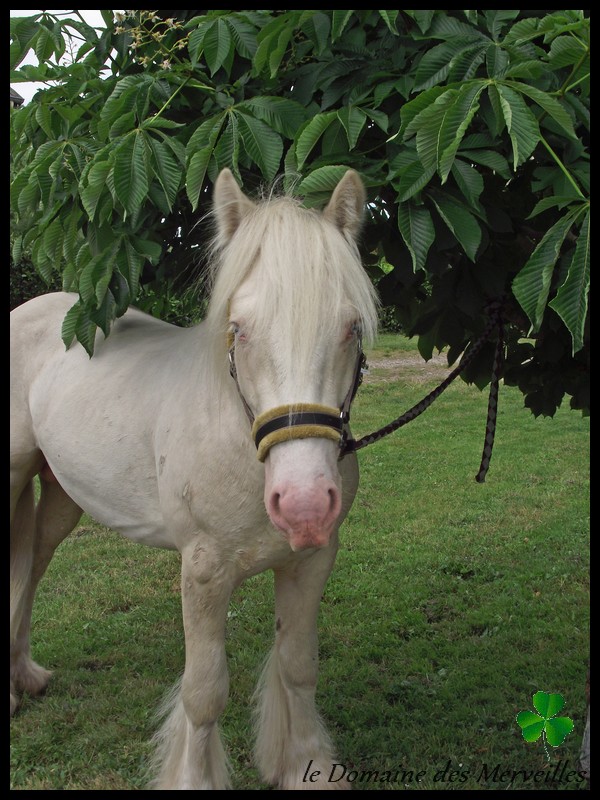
301	420
306	420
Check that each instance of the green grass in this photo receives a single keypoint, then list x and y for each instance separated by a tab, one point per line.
450	605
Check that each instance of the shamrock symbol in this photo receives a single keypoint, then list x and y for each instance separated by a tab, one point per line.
555	729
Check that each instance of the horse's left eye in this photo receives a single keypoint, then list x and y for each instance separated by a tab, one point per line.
356	329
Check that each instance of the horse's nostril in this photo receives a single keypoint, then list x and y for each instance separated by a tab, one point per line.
274	503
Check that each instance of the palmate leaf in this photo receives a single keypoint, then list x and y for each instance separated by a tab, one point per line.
441	127
532	284
571	301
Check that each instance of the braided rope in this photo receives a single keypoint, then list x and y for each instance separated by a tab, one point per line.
352	445
492	413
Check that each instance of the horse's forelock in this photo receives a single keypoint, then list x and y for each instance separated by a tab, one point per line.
311	272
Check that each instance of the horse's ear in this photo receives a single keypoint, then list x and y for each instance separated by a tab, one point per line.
345	209
231	205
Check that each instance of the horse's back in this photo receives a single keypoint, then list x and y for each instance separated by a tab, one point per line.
95	416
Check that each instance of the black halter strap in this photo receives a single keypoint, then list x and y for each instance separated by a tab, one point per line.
301	420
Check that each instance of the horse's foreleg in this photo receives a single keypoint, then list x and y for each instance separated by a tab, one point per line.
189	753
55	517
293	748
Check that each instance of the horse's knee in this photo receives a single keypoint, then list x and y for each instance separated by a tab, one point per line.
205	696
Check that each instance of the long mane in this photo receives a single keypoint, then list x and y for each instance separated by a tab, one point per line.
310	272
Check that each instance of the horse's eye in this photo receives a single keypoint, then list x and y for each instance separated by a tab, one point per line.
356	329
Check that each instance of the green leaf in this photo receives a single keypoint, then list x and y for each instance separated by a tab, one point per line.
205	134
317	27
96	274
547	704
353	119
551	106
323	179
217	44
167	170
531	724
311	134
96	185
417	230
532	284
277	54
389	17
412	180
455	125
134	263
130	173
558	729
227	151
497	19
422	18
436	63
490	159
263	144
196	171
571	301
461	222
429	126
338	23
71	323
283	115
560	201
521	124
243	35
469	181
441	127
565	51
410	112
53	238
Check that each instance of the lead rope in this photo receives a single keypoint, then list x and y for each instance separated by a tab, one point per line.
352	445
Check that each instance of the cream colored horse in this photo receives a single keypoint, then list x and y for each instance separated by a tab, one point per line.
153	438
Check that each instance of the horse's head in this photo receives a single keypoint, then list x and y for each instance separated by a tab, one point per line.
298	304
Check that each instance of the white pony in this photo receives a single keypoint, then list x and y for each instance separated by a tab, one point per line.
154	438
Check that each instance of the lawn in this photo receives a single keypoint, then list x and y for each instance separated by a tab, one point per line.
450	605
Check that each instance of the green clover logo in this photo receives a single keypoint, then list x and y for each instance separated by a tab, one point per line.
555	729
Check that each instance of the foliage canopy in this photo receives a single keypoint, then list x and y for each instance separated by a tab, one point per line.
470	130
